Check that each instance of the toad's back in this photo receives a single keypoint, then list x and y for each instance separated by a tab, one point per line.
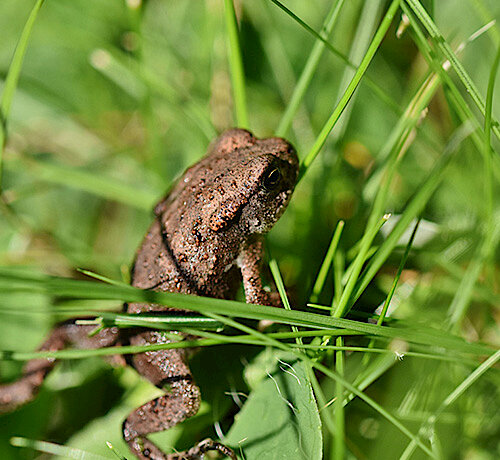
214	210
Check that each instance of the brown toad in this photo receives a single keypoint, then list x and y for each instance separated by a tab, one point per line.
206	237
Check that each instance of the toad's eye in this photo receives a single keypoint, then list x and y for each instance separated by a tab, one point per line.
272	178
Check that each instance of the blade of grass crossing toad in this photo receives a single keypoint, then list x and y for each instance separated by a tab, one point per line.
308	70
13	78
99	277
210	339
236	65
337	112
62	287
327	262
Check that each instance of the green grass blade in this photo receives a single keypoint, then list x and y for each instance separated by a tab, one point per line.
398	275
120	73
454	96
236	65
327	262
371	372
209	339
308	70
377	407
368	19
487	16
283	69
115	451
398	143
13	78
342	307
275	271
463	295
488	167
138	79
12	281
377	39
390	295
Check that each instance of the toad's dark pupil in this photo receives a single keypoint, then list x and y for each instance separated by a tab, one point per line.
272	178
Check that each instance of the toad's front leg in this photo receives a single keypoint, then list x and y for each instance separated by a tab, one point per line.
251	266
165	368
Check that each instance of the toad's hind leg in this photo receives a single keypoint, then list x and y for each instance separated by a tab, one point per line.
163	413
165	368
22	391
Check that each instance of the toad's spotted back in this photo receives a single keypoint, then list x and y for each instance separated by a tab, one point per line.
214	213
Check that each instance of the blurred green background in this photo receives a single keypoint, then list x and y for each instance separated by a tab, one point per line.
117	98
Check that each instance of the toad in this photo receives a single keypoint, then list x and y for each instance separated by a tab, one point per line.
205	239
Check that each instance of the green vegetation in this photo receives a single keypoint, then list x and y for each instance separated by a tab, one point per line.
387	258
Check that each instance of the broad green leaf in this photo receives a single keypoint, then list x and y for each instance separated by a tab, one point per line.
289	425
